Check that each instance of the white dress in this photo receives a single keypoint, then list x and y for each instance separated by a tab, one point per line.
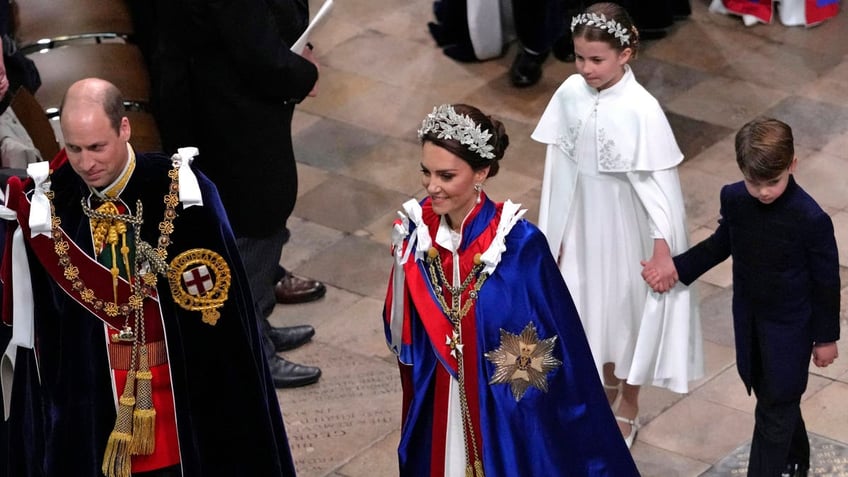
605	237
610	188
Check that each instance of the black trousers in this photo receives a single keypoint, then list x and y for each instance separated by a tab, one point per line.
539	23
780	438
261	258
780	435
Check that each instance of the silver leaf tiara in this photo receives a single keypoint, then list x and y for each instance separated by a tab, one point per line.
600	21
446	123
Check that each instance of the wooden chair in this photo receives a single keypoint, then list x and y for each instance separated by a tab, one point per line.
145	132
33	118
43	22
121	64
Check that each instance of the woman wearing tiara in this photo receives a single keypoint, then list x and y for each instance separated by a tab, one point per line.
497	376
611	197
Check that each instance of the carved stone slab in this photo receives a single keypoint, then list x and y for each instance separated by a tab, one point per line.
827	459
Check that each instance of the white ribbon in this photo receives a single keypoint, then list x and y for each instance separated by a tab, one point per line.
189	190
422	233
39	214
23	313
400	231
510	214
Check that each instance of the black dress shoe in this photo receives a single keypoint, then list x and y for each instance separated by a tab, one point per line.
461	52
526	70
294	289
290	337
795	470
286	374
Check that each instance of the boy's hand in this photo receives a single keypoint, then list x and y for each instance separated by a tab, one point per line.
824	354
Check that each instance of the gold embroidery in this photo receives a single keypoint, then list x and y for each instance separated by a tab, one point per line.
523	361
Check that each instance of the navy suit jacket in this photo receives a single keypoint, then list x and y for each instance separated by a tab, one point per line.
785	283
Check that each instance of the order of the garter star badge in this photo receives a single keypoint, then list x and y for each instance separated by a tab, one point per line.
199	280
523	361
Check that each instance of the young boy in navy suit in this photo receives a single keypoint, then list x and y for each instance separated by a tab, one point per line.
785	290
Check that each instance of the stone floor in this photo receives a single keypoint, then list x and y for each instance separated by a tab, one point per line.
356	143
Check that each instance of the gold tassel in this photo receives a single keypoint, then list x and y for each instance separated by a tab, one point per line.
144	416
478	466
117	461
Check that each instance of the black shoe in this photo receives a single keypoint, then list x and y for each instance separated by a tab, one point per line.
526	70
461	52
294	289
441	35
290	337
795	470
286	374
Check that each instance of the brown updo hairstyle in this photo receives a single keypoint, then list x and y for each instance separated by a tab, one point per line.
611	11
499	140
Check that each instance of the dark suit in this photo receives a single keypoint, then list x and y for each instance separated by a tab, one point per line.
785	299
226	81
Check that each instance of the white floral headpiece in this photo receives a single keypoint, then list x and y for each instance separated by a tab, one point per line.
446	123
600	21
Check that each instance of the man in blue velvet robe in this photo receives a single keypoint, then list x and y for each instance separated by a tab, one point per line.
214	406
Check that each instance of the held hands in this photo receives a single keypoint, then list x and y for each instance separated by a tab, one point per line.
659	272
824	354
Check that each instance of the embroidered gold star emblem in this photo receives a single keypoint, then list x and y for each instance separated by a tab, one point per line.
523	361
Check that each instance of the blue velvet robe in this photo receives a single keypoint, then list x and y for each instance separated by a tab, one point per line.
568	430
228	418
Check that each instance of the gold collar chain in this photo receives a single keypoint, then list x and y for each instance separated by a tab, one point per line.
456	312
159	254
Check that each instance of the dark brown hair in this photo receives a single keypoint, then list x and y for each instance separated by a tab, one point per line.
499	140
611	11
764	148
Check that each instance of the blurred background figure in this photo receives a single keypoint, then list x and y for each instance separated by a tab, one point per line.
231	91
790	12
478	30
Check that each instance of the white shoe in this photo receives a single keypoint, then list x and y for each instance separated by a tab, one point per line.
611	388
634	429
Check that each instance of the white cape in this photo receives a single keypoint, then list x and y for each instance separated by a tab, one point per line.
634	138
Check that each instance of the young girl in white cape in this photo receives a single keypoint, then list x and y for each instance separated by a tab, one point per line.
610	198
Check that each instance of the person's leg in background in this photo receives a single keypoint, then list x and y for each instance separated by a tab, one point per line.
261	272
538	24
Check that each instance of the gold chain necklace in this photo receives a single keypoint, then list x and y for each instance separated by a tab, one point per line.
156	256
456	312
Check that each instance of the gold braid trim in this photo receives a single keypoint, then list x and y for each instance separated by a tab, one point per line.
117	461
